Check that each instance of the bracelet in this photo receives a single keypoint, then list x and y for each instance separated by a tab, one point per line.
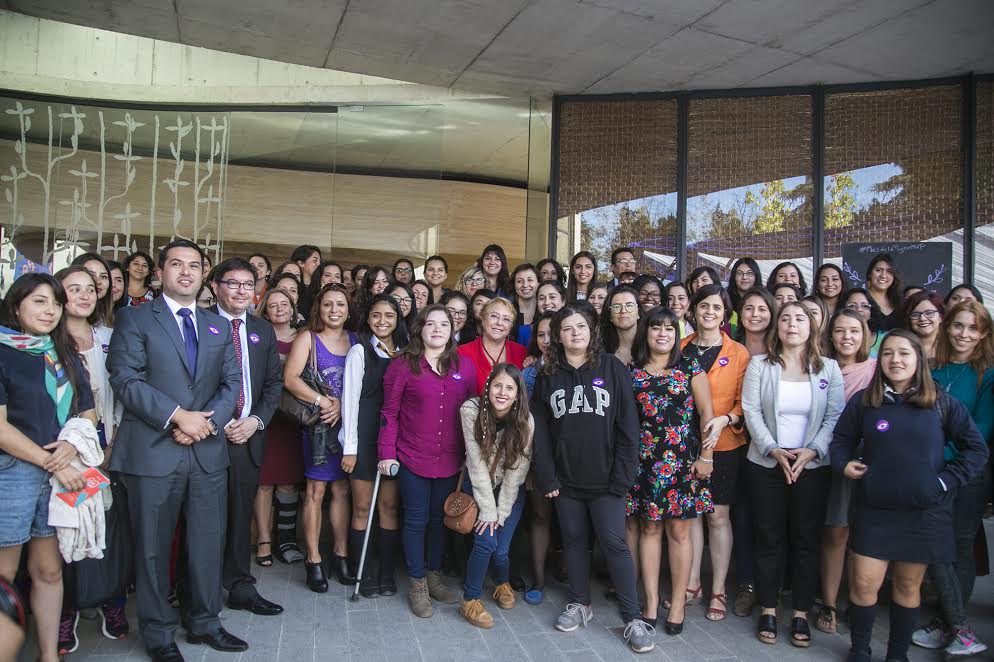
317	401
706	460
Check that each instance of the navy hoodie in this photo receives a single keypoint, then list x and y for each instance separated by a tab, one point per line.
586	429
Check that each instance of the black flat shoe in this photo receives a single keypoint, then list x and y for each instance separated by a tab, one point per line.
342	572
766	631
259	605
388	586
369	587
222	640
800	632
316	581
169	653
649	621
673	629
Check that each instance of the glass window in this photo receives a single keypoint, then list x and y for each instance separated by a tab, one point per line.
749	183
984	236
617	181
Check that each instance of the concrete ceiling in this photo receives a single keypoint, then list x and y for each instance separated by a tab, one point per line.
540	47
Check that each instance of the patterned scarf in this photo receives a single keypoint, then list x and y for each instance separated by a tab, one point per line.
56	380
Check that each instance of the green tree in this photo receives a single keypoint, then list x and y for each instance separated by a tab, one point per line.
772	205
840	208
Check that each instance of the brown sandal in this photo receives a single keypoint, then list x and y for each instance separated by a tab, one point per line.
718	613
693	596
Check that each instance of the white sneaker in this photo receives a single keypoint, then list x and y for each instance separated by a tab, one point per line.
965	644
933	636
573	617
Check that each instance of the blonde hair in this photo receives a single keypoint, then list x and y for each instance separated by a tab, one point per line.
498	301
470	272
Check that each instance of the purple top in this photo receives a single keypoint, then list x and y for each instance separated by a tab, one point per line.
331	366
422	428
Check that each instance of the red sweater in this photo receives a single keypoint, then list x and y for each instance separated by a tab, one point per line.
473	351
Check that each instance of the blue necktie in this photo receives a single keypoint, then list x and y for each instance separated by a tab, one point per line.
189	339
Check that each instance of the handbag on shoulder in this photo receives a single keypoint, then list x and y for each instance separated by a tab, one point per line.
305	413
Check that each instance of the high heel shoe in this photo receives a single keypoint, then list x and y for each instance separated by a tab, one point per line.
693	596
316	581
342	571
673	629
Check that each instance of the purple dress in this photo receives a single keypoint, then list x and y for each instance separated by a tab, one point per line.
332	369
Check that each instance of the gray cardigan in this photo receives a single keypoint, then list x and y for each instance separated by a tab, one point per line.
759	402
509	478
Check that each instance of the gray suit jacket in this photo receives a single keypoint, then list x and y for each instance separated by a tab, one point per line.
147	366
760	389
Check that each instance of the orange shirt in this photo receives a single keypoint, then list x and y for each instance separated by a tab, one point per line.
725	379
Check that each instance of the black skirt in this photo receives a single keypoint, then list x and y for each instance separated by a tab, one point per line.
914	536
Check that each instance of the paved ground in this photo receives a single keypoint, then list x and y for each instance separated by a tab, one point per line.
329	627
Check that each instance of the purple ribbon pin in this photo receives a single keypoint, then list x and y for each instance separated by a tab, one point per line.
883	425
214	330
598	382
254	338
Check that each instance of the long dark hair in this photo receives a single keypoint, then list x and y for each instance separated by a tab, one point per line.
560	272
399	335
365	293
571	291
655	317
503	277
762	293
411	316
148	262
314	322
533	348
65	346
517	431
733	289
415	350
876	317
893	292
104	313
771	281
921	392
556	355
816	286
608	332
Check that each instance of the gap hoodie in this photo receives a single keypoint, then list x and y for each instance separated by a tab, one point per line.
586	429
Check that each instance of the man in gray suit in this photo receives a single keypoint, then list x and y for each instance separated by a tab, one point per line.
262	379
174	368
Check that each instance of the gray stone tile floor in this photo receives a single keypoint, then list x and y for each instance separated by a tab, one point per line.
329	627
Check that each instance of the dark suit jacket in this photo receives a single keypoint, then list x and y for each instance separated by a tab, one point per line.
147	365
266	371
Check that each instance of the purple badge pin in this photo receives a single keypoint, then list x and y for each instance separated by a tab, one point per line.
214	330
456	376
883	425
723	361
105	348
823	384
254	338
598	382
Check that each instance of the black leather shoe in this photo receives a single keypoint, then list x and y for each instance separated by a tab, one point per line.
222	640
316	581
259	605
169	653
673	629
369	587
342	571
388	585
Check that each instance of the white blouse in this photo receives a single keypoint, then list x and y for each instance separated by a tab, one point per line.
793	409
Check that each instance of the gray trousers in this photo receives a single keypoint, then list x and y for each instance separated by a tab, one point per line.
155	504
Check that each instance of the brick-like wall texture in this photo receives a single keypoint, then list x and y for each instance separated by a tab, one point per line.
615	151
985	153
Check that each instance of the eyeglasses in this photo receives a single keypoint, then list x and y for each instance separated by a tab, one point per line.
402	300
496	317
403	270
235	285
628	262
629	307
859	306
744	274
650	296
479	280
927	314
458	314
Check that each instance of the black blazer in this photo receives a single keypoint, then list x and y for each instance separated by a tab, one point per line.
267	378
147	366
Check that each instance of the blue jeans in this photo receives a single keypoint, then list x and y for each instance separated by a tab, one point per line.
424	512
491	548
954	581
23	501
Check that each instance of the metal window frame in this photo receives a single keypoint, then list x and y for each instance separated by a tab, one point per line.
968	83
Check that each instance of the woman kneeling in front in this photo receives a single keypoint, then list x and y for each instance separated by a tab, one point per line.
903	515
498	431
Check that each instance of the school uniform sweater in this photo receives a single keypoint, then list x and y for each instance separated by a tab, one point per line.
586	429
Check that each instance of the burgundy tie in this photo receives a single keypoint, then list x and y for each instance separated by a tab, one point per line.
235	326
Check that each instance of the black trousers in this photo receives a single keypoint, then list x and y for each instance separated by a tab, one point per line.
778	508
155	503
607	514
243	481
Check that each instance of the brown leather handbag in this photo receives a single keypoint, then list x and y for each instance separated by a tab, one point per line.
461	511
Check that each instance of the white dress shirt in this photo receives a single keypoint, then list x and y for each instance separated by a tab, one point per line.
355	368
174	308
246	365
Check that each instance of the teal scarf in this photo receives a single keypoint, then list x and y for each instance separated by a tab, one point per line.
56	380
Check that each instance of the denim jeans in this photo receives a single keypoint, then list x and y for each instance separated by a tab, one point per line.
491	549
954	581
424	512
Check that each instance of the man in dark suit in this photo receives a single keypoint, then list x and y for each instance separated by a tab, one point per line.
174	368
262	378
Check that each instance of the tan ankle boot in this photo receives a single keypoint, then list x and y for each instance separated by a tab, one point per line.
504	596
418	598
439	591
473	611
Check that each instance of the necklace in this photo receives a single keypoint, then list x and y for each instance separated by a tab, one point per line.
964	368
493	361
701	349
657	372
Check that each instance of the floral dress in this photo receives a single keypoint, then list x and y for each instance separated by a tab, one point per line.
665	488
